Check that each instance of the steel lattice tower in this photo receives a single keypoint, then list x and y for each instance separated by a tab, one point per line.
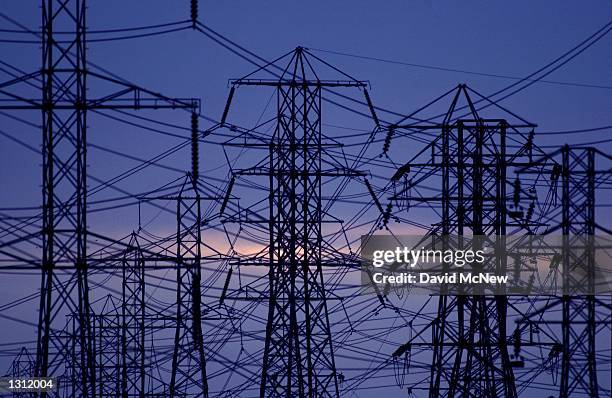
101	349
64	114
573	170
22	367
65	81
578	364
107	333
298	357
188	360
133	312
470	159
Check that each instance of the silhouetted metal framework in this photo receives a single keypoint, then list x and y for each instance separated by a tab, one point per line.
578	364
107	329
106	345
133	311
188	368
22	367
573	178
470	160
298	357
64	120
188	361
65	78
101	349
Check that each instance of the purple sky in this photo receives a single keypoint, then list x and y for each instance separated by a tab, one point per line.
486	37
503	38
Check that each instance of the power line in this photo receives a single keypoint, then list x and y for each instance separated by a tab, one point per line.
454	70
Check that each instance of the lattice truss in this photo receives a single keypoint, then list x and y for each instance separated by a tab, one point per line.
256	289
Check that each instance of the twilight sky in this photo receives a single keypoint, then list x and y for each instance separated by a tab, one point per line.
489	37
502	38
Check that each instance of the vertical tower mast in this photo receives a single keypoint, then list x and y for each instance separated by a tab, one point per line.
470	160
298	357
578	326
188	361
133	321
64	121
64	81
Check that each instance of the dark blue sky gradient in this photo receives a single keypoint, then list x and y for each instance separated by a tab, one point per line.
505	38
